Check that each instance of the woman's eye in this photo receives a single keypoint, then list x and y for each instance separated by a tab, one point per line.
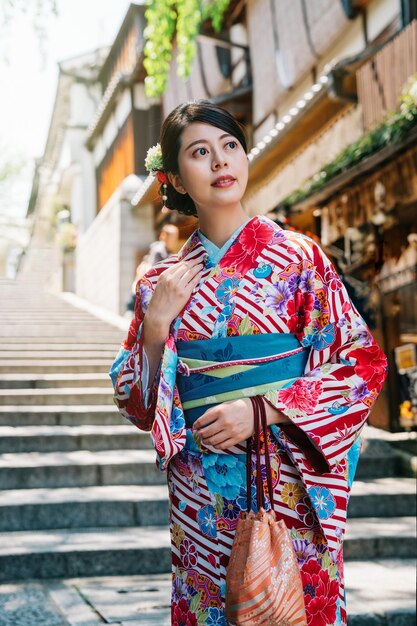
198	151
232	143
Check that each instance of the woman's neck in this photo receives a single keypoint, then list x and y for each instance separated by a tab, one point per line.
220	229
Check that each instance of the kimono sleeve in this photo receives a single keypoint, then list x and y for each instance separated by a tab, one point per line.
328	406
129	369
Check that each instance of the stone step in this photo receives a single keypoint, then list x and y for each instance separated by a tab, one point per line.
62	321
376	538
390	463
82	468
146	600
37	305
59	415
378	460
381	593
56	335
83	507
51	355
49	381
127	550
68	396
106	339
62	347
87	552
33	366
383	497
53	330
71	438
43	316
124	505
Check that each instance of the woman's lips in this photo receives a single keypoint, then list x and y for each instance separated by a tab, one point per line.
224	183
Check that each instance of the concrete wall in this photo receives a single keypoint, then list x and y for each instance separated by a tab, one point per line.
105	254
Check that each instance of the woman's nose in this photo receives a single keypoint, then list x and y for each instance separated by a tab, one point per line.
218	161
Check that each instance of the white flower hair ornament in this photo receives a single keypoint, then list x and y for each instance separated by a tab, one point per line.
153	160
155	166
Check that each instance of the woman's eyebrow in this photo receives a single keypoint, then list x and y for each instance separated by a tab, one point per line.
193	143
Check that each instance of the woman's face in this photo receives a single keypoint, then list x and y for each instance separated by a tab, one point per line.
213	167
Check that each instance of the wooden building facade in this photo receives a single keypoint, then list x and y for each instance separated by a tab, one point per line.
126	121
366	218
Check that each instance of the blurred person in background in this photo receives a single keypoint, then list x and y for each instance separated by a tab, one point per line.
158	251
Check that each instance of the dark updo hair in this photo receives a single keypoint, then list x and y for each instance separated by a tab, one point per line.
172	128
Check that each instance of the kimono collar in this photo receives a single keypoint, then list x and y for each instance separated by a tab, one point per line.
214	252
198	241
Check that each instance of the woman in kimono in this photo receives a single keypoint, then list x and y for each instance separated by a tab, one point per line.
244	308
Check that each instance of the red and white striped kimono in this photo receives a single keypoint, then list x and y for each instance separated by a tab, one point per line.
268	281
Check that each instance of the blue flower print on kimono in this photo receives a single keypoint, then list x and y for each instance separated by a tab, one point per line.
207	520
227	289
323	501
224	473
177	421
215	617
320	338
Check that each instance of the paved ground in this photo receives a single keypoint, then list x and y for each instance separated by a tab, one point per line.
378	594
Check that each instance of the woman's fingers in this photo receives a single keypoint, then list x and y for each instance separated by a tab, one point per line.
181	268
181	276
228	443
189	274
210	430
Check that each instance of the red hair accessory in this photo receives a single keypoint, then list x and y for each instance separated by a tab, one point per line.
162	177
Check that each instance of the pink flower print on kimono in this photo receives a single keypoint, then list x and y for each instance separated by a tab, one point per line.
302	395
320	593
251	242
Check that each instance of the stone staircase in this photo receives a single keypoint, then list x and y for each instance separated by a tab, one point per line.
81	496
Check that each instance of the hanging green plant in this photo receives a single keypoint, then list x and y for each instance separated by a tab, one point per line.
159	32
164	19
188	26
394	128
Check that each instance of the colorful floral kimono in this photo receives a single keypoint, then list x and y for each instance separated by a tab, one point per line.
324	375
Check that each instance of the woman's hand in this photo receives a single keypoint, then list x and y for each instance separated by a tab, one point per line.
226	424
172	292
230	423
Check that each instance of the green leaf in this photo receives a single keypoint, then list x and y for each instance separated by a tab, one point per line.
294	534
326	561
201	617
245	327
195	602
164	19
219	504
275	464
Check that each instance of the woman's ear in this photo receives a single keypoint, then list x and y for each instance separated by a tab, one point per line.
176	182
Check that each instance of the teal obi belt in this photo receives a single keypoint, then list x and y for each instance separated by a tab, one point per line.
211	371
